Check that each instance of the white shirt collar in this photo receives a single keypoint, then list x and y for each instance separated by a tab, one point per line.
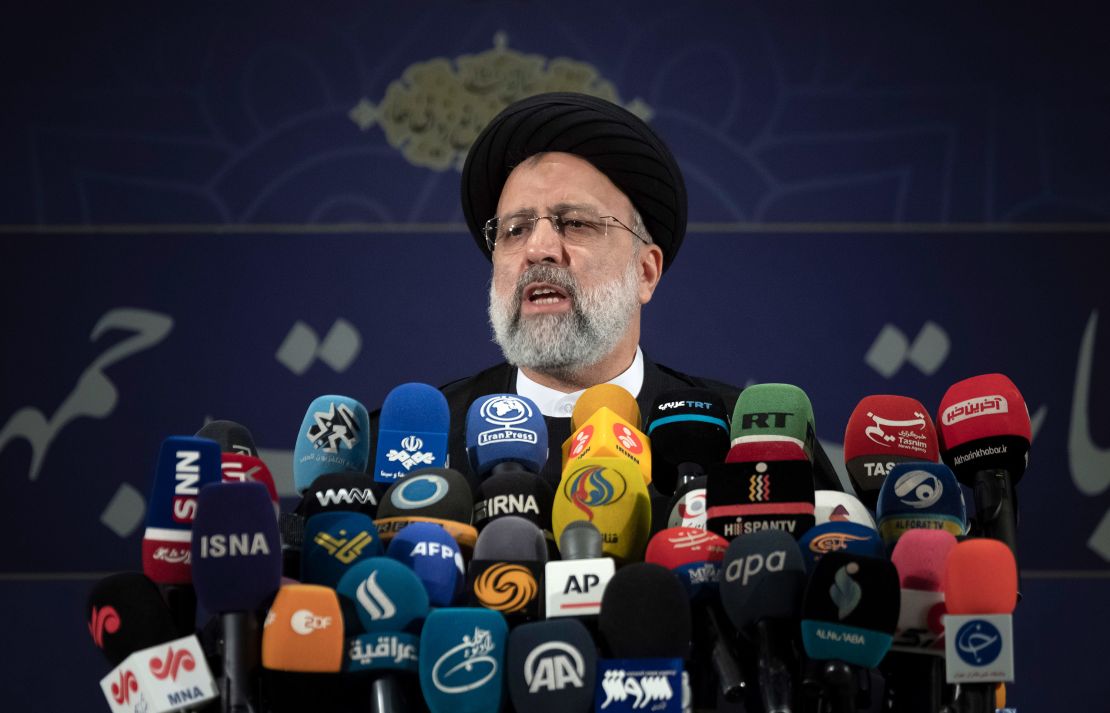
561	405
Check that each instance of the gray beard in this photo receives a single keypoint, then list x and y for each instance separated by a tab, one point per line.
562	344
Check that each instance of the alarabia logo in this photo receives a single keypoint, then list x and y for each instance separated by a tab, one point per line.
593	487
101	621
374	600
918	489
877	435
128	684
973	408
506	588
336	425
504	412
476	664
410	454
173	661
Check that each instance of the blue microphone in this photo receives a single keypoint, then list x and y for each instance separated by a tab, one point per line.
462	660
827	537
412	432
505	428
334	437
389	603
333	542
920	495
433	554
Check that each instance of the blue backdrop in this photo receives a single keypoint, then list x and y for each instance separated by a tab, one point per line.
223	211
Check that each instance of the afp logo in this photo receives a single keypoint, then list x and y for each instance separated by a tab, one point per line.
554	666
594	486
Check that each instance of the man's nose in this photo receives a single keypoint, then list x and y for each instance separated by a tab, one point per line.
545	244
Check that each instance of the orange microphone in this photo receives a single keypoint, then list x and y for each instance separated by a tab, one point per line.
606	424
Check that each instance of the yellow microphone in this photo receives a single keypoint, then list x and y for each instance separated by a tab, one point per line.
611	494
606	434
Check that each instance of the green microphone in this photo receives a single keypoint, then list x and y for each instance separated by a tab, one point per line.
774	412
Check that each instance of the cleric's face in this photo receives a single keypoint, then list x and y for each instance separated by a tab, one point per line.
557	302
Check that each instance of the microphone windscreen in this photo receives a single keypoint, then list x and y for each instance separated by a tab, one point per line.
349	491
884	430
429	551
334	436
606	434
126	613
517	493
580	540
920	556
984	425
462	660
763	577
920	495
611	494
383	595
692	555
412	432
687	426
850	609
837	506
687	506
439	495
615	398
980	578
511	538
303	630
507	566
239	468
185	465
765	485
236	547
230	436
503	428
645	613
774	412
839	537
551	667
333	542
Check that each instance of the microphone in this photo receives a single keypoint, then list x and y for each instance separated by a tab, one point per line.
645	629
914	668
883	431
462	660
505	431
606	424
835	506
763	485
303	631
237	568
611	494
610	396
333	542
237	468
185	465
389	602
331	492
434	556
687	507
412	432
689	431
508	562
551	667
166	677
980	591
819	540
126	613
517	493
573	585
773	413
985	434
761	592
439	495
332	437
849	614
920	495
230	436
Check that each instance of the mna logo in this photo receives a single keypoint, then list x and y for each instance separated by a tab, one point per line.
475	665
337	425
506	588
101	621
973	408
410	454
644	689
373	600
122	690
553	666
173	661
343	548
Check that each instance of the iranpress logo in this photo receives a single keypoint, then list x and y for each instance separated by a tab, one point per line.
373	600
553	666
338	425
171	663
419	492
101	621
122	690
466	666
978	643
594	486
505	412
919	489
973	408
506	588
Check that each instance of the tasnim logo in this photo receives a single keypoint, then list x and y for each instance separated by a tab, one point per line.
104	619
173	661
475	668
553	666
336	425
644	689
122	690
877	435
505	587
973	408
374	600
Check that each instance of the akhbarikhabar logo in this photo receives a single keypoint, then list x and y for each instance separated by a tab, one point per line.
101	621
173	661
505	587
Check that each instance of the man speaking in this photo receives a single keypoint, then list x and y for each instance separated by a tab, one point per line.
581	208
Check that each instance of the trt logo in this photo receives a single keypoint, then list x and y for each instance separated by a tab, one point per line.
581	585
769	419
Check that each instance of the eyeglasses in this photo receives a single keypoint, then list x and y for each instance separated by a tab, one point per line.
576	227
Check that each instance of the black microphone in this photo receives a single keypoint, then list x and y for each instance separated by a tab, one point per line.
551	667
231	437
126	613
689	431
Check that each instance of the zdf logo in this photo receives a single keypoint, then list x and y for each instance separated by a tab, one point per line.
744	568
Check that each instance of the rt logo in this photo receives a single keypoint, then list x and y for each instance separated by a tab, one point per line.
770	419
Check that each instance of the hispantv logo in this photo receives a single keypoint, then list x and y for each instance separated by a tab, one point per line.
505	412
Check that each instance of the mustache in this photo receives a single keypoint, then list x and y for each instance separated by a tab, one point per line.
544	272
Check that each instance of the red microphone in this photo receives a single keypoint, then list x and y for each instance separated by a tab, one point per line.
883	431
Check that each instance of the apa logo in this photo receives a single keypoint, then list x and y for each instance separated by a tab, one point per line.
419	491
504	412
169	666
759	486
627	438
919	489
974	408
122	690
845	591
346	496
581	441
186	479
877	435
101	621
594	486
473	669
304	622
338	425
978	642
744	568
769	419
410	454
644	689
506	588
553	666
375	601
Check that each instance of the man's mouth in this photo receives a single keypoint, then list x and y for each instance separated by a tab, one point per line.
544	294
